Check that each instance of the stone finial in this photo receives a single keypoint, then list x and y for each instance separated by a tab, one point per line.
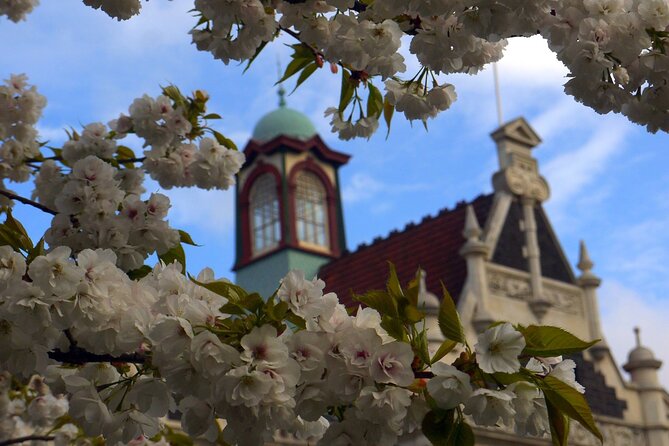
426	299
584	262
587	279
641	358
472	229
472	232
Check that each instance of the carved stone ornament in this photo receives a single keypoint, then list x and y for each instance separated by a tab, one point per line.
614	435
523	180
503	284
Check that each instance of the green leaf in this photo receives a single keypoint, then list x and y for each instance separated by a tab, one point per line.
420	347
186	238
546	341
234	293
224	140
393	284
413	289
124	152
449	320
21	233
461	435
304	75
298	63
380	301
295	320
437	426
140	272
212	116
173	92
252	302
9	237
374	101
445	348
394	327
177	438
347	90
175	254
570	402
388	111
232	308
559	424
248	65
278	312
37	251
411	314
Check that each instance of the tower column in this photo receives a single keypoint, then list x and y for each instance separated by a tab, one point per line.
538	304
643	367
475	252
589	284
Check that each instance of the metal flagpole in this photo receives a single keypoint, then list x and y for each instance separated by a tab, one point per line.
498	96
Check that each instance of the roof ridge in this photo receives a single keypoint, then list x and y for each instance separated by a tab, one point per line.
412	224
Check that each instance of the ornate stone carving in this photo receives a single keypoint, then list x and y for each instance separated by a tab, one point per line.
522	179
515	287
614	435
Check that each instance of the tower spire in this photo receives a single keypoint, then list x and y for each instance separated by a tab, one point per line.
281	91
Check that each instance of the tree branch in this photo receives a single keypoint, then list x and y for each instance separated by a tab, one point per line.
41	207
27	438
79	356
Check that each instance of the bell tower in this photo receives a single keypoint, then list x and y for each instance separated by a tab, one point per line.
288	207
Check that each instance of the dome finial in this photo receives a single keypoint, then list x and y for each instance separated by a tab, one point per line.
637	335
282	96
281	91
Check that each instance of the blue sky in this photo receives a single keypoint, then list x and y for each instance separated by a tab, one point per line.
609	178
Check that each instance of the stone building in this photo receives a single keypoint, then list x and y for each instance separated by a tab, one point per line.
497	254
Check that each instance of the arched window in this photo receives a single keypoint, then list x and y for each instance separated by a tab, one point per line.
264	210
311	210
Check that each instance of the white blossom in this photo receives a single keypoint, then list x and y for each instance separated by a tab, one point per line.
498	348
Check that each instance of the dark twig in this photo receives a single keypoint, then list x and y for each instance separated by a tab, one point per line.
77	355
24	200
27	438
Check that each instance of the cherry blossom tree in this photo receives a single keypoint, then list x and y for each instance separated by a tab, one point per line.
98	347
615	50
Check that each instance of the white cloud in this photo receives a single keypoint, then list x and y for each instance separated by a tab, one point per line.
570	171
209	212
529	62
622	309
362	187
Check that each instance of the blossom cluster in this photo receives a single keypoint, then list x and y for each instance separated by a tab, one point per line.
33	410
17	10
615	50
258	375
172	158
20	108
92	185
128	344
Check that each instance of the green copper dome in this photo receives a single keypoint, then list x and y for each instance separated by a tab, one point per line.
283	121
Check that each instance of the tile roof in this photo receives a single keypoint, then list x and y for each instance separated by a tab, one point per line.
432	245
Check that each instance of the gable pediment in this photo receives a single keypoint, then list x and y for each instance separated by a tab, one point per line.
518	130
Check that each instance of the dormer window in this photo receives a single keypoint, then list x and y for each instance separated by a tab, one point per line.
311	210
264	210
